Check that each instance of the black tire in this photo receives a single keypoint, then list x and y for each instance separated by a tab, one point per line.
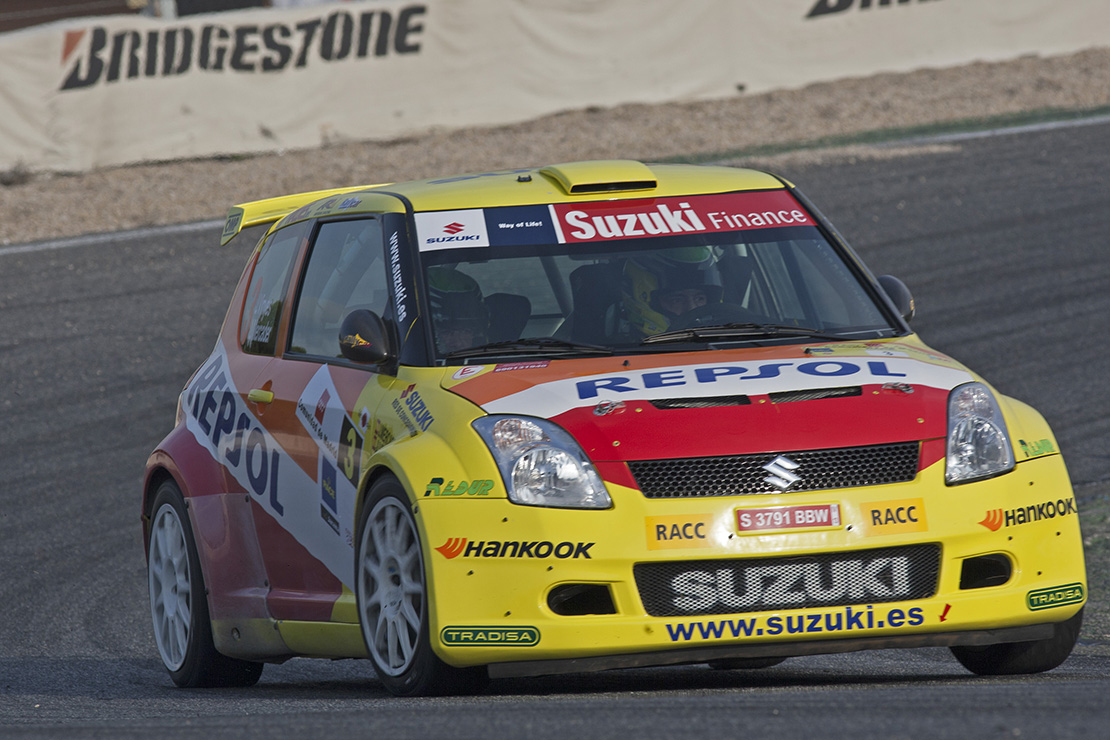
1011	658
178	604
743	664
392	594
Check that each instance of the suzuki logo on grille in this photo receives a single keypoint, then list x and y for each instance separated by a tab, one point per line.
781	473
453	228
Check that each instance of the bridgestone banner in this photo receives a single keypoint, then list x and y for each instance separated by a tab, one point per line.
112	90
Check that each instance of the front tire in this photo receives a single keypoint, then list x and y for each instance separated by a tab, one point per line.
1012	658
179	605
393	604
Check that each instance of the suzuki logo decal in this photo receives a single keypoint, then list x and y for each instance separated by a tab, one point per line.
781	471
605	408
453	228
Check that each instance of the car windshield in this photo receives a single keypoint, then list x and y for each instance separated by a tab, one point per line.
584	292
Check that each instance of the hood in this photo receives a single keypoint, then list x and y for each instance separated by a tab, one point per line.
700	404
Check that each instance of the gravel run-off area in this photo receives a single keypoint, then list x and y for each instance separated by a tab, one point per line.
38	206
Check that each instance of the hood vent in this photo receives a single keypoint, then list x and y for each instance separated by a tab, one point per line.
815	394
613	176
705	402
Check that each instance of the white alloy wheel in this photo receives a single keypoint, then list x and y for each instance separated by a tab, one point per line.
179	601
391	587
171	603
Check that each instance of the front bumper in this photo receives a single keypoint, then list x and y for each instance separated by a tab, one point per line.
1010	566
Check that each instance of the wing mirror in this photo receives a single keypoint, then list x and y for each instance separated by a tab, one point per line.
899	295
364	337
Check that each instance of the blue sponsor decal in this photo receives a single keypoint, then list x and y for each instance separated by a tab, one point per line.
686	376
421	416
232	429
520	225
843	620
327	484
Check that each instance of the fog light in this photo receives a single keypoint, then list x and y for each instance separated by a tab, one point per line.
578	599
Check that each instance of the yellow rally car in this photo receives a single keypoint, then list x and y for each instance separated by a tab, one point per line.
590	416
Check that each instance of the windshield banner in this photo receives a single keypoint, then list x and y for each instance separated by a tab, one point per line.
608	220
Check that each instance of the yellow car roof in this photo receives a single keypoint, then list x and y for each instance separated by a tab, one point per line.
559	183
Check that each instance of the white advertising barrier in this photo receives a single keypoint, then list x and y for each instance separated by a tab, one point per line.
107	91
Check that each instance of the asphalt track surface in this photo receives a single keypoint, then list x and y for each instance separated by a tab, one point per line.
1003	242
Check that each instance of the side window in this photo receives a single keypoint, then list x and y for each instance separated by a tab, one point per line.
346	271
266	295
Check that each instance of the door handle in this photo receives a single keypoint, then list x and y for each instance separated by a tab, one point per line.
257	395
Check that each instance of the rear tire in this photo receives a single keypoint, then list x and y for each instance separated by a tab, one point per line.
1022	657
179	605
393	607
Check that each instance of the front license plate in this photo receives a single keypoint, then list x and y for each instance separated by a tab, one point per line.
795	516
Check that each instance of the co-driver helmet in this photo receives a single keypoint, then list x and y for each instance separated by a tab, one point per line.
459	314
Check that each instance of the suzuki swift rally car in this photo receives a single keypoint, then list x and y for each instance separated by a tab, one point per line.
590	416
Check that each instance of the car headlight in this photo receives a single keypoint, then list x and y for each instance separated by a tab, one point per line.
541	464
978	443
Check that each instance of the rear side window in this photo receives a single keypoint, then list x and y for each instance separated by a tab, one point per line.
345	272
258	327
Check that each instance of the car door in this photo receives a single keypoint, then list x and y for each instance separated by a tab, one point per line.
320	409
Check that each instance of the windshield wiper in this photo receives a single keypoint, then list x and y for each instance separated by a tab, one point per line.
745	330
531	346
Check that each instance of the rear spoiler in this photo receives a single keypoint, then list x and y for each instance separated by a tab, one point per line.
271	209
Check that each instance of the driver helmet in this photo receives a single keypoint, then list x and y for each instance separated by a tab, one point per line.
459	313
658	287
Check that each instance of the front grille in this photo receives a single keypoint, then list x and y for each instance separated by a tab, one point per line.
761	584
743	475
815	394
700	402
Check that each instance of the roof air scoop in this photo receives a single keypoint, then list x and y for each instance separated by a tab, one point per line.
612	176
